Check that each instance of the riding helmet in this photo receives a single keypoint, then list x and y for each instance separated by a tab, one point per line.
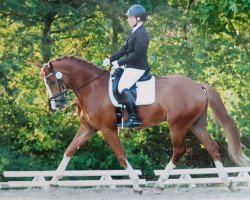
137	11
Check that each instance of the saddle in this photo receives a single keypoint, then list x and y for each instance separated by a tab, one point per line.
143	91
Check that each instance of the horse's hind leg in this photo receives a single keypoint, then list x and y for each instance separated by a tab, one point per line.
114	142
200	131
79	140
179	148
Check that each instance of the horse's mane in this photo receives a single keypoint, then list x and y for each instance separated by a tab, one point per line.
79	60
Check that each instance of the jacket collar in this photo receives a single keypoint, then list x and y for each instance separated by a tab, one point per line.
131	34
139	24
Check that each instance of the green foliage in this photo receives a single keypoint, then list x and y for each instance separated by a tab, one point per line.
206	40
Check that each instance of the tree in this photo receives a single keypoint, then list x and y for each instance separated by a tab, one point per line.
204	40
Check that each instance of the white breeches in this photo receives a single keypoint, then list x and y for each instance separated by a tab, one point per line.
129	77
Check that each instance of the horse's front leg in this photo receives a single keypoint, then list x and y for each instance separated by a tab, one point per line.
59	171
114	142
81	137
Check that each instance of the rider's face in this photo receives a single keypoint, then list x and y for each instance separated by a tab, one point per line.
131	21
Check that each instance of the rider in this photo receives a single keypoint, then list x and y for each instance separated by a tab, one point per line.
135	62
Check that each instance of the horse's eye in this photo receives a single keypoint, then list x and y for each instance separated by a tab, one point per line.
50	82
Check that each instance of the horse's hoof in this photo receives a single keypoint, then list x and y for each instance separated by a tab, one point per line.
158	188
54	185
138	191
233	187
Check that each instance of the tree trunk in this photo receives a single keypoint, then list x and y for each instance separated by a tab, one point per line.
185	27
117	28
46	40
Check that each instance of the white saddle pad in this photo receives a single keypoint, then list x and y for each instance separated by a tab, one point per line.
145	92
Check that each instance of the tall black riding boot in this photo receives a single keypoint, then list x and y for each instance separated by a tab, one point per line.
129	101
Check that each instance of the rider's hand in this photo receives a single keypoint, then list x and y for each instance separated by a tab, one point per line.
115	64
106	62
112	72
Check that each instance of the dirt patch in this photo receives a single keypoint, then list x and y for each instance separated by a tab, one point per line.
123	193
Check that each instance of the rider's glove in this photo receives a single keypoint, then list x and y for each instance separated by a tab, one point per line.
114	67
115	64
112	71
106	62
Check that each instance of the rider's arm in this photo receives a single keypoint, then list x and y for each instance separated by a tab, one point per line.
140	50
120	53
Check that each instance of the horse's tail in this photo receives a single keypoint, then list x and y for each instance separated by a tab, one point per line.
226	122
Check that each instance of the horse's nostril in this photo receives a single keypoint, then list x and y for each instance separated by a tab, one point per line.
61	105
58	106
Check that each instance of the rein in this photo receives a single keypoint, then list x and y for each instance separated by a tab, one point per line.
87	83
61	84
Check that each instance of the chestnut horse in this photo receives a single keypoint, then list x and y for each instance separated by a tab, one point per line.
179	100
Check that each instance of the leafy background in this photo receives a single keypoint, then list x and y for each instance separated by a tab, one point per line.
206	40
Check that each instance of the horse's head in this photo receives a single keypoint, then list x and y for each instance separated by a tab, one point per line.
56	85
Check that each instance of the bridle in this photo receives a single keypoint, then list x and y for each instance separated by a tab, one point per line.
61	84
64	86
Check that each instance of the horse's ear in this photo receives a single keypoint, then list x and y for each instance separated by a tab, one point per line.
50	65
39	65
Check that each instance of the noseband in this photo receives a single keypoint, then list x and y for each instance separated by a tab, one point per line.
62	86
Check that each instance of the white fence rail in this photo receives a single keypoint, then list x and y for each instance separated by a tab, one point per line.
112	178
189	176
106	178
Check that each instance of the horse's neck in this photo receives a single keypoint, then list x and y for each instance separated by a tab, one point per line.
80	73
88	73
93	84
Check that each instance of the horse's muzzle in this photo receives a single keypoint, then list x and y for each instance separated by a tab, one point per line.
61	105
55	105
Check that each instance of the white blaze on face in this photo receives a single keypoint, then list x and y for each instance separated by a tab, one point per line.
52	102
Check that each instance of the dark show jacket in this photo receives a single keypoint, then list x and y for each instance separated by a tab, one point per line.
135	50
